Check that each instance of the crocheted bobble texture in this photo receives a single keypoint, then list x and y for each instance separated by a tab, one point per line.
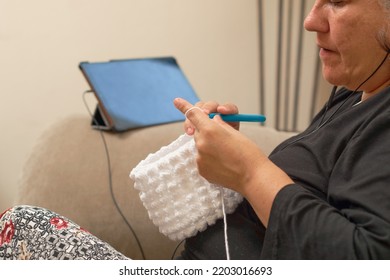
180	201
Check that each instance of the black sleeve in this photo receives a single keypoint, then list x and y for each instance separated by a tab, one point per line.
353	222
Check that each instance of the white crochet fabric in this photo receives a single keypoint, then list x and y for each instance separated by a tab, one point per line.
179	201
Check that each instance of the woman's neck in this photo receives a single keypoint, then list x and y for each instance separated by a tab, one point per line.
368	94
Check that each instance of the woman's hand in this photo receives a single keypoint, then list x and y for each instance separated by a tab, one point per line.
210	107
225	156
228	158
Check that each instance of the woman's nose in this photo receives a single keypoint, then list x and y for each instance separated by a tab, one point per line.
316	20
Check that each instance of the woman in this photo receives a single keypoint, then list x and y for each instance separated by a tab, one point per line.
324	194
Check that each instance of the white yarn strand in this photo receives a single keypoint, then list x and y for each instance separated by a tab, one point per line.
225	225
222	201
192	108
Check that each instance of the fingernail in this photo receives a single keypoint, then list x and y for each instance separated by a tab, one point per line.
190	131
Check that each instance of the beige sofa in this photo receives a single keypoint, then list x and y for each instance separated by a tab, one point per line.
67	173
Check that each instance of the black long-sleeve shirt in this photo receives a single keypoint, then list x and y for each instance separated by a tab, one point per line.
339	206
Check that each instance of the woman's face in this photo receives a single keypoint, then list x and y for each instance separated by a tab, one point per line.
348	38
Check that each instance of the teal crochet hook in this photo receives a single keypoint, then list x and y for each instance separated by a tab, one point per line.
240	117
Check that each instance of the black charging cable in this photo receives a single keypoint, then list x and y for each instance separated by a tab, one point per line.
110	176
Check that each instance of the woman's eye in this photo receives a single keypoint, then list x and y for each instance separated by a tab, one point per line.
336	2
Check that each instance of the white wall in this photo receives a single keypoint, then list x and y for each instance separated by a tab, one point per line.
42	42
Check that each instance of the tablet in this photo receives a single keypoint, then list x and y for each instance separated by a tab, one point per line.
135	93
